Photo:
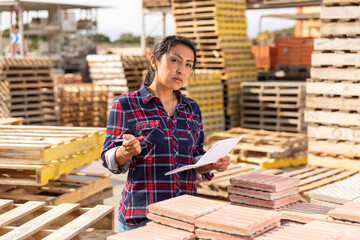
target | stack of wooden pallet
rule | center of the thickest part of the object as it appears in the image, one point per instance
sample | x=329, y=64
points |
x=332, y=102
x=277, y=106
x=121, y=73
x=218, y=27
x=267, y=149
x=34, y=162
x=67, y=78
x=83, y=105
x=206, y=88
x=156, y=3
x=27, y=90
x=35, y=220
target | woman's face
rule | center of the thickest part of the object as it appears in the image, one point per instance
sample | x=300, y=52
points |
x=174, y=67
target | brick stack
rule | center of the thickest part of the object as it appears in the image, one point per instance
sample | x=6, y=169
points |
x=337, y=193
x=27, y=91
x=332, y=102
x=83, y=105
x=235, y=222
x=169, y=212
x=218, y=27
x=294, y=51
x=269, y=191
x=206, y=88
x=265, y=57
x=349, y=212
x=121, y=73
x=277, y=106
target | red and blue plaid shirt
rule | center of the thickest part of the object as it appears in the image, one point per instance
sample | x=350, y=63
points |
x=168, y=143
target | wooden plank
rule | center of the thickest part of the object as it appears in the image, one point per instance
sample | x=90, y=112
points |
x=332, y=118
x=80, y=224
x=340, y=2
x=335, y=59
x=334, y=133
x=340, y=29
x=343, y=12
x=298, y=171
x=345, y=89
x=338, y=103
x=17, y=213
x=308, y=174
x=336, y=73
x=333, y=44
x=334, y=149
x=319, y=176
x=5, y=203
x=331, y=162
x=35, y=225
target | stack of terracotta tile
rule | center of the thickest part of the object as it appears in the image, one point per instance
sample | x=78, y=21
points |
x=269, y=191
x=154, y=231
x=349, y=212
x=235, y=222
x=181, y=212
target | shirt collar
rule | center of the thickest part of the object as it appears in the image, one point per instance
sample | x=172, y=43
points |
x=147, y=96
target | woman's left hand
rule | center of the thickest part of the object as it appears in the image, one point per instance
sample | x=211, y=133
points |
x=222, y=164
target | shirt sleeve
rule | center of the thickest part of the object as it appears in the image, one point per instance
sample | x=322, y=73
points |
x=117, y=126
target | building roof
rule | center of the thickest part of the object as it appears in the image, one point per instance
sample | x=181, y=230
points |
x=38, y=6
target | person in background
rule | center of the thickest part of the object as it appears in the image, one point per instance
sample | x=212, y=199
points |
x=154, y=130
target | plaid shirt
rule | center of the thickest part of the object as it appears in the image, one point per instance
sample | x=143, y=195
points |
x=168, y=143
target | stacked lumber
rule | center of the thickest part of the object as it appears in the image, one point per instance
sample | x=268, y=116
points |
x=332, y=102
x=121, y=73
x=87, y=189
x=267, y=149
x=33, y=155
x=206, y=88
x=337, y=193
x=83, y=104
x=277, y=106
x=11, y=121
x=35, y=220
x=268, y=191
x=27, y=91
x=265, y=57
x=294, y=51
x=218, y=28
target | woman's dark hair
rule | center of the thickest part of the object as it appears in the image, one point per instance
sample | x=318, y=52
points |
x=164, y=46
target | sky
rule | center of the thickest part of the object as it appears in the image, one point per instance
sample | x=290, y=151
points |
x=124, y=16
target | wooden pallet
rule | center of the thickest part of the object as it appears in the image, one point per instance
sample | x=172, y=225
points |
x=35, y=220
x=266, y=148
x=310, y=178
x=11, y=121
x=76, y=187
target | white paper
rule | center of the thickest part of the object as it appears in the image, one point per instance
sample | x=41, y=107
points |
x=218, y=150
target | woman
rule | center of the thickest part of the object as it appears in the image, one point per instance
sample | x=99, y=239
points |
x=154, y=130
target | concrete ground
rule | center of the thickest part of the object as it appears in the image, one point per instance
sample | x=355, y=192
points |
x=117, y=182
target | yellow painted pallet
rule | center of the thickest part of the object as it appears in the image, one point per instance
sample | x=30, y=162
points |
x=76, y=187
x=34, y=220
x=44, y=145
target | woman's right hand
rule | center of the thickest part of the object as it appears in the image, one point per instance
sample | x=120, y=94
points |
x=130, y=146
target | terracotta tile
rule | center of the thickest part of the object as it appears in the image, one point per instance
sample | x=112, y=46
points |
x=261, y=194
x=213, y=235
x=349, y=211
x=351, y=232
x=264, y=182
x=305, y=212
x=171, y=222
x=154, y=231
x=288, y=232
x=322, y=203
x=185, y=208
x=264, y=203
x=238, y=220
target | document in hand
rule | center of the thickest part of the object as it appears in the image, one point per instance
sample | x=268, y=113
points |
x=219, y=150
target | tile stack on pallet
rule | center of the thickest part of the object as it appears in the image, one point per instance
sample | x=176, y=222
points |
x=27, y=91
x=218, y=27
x=277, y=106
x=35, y=220
x=83, y=104
x=268, y=191
x=294, y=51
x=337, y=193
x=332, y=102
x=206, y=88
x=121, y=73
x=268, y=149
